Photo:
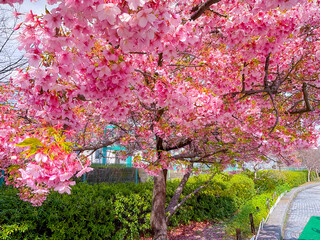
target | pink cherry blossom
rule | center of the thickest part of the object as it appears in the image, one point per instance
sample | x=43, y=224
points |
x=172, y=81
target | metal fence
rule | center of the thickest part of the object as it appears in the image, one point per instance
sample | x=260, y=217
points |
x=112, y=173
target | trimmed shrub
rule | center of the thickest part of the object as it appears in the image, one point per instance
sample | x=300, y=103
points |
x=294, y=178
x=122, y=211
x=266, y=184
x=107, y=211
x=101, y=211
x=240, y=188
x=212, y=202
x=257, y=206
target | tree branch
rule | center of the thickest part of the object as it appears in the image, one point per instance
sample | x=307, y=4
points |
x=308, y=107
x=96, y=146
x=306, y=97
x=181, y=144
x=266, y=71
x=177, y=194
x=294, y=65
x=219, y=14
x=183, y=156
x=177, y=206
x=200, y=9
x=276, y=110
x=160, y=60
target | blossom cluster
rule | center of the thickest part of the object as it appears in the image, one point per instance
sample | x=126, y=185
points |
x=233, y=81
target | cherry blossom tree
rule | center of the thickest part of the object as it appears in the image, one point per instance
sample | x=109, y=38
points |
x=310, y=158
x=183, y=82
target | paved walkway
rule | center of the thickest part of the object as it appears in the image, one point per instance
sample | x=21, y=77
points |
x=274, y=228
x=304, y=205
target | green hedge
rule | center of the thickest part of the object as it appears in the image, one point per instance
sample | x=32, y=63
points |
x=100, y=211
x=104, y=211
x=212, y=202
x=269, y=180
x=122, y=211
x=266, y=184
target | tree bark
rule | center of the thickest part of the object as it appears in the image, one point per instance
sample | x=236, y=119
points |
x=158, y=209
x=175, y=199
x=158, y=216
x=174, y=208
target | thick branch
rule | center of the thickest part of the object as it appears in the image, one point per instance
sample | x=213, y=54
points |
x=181, y=144
x=246, y=93
x=175, y=199
x=160, y=59
x=314, y=86
x=159, y=114
x=146, y=107
x=277, y=112
x=183, y=156
x=177, y=206
x=96, y=146
x=306, y=97
x=243, y=81
x=308, y=107
x=25, y=117
x=266, y=71
x=202, y=8
x=84, y=132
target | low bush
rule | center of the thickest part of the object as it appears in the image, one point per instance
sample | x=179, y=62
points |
x=122, y=211
x=294, y=178
x=240, y=188
x=101, y=211
x=257, y=206
x=266, y=184
x=106, y=211
x=212, y=202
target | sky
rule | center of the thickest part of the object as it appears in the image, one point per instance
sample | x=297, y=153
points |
x=11, y=53
x=36, y=7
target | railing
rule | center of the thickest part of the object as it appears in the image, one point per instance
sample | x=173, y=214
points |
x=265, y=220
x=112, y=173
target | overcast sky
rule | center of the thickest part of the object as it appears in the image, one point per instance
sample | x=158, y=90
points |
x=10, y=52
x=36, y=7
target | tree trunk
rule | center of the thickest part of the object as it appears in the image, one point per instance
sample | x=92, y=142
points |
x=158, y=216
x=314, y=176
x=309, y=172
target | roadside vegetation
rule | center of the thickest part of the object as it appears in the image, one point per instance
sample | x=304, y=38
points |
x=122, y=211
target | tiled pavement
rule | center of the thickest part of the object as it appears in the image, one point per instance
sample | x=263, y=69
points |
x=303, y=206
x=298, y=215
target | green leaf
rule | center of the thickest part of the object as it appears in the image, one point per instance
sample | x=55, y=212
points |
x=30, y=142
x=32, y=151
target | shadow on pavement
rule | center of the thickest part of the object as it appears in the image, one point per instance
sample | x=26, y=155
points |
x=270, y=232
